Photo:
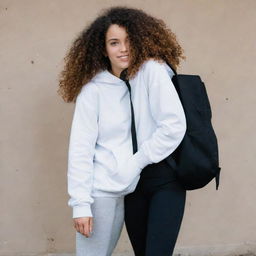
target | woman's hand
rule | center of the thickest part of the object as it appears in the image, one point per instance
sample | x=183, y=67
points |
x=84, y=225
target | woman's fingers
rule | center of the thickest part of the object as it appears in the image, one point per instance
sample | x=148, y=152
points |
x=82, y=229
x=91, y=225
x=82, y=225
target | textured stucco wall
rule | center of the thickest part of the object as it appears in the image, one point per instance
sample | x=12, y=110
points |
x=219, y=42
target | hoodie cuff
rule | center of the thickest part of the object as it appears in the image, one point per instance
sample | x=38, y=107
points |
x=141, y=159
x=82, y=211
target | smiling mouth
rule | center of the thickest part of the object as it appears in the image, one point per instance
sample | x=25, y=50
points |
x=123, y=57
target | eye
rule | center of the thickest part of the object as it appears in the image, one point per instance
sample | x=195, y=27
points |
x=113, y=43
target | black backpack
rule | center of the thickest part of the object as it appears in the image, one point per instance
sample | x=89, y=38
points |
x=196, y=159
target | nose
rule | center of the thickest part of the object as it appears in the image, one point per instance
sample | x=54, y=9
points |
x=123, y=47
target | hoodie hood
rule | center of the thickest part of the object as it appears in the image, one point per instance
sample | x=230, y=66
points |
x=105, y=77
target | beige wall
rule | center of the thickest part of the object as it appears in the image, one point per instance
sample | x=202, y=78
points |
x=219, y=41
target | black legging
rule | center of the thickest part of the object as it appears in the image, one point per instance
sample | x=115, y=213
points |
x=154, y=212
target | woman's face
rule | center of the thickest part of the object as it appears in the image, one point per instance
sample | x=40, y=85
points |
x=117, y=48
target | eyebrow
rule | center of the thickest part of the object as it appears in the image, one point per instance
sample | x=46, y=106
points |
x=112, y=39
x=115, y=39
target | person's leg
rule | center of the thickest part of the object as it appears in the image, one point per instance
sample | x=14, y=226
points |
x=165, y=216
x=117, y=225
x=100, y=242
x=136, y=215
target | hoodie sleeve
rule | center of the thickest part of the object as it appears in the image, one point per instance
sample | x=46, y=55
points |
x=168, y=113
x=83, y=136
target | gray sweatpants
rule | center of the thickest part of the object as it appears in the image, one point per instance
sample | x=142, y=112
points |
x=108, y=220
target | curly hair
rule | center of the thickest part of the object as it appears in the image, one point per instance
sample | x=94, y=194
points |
x=149, y=38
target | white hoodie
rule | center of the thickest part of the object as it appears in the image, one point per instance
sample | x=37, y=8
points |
x=101, y=162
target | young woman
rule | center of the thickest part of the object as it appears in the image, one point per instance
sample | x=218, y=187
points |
x=102, y=164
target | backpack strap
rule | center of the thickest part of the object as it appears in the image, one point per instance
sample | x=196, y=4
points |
x=174, y=71
x=217, y=179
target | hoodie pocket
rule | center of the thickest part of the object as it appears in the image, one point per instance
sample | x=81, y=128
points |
x=106, y=160
x=121, y=156
x=127, y=168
